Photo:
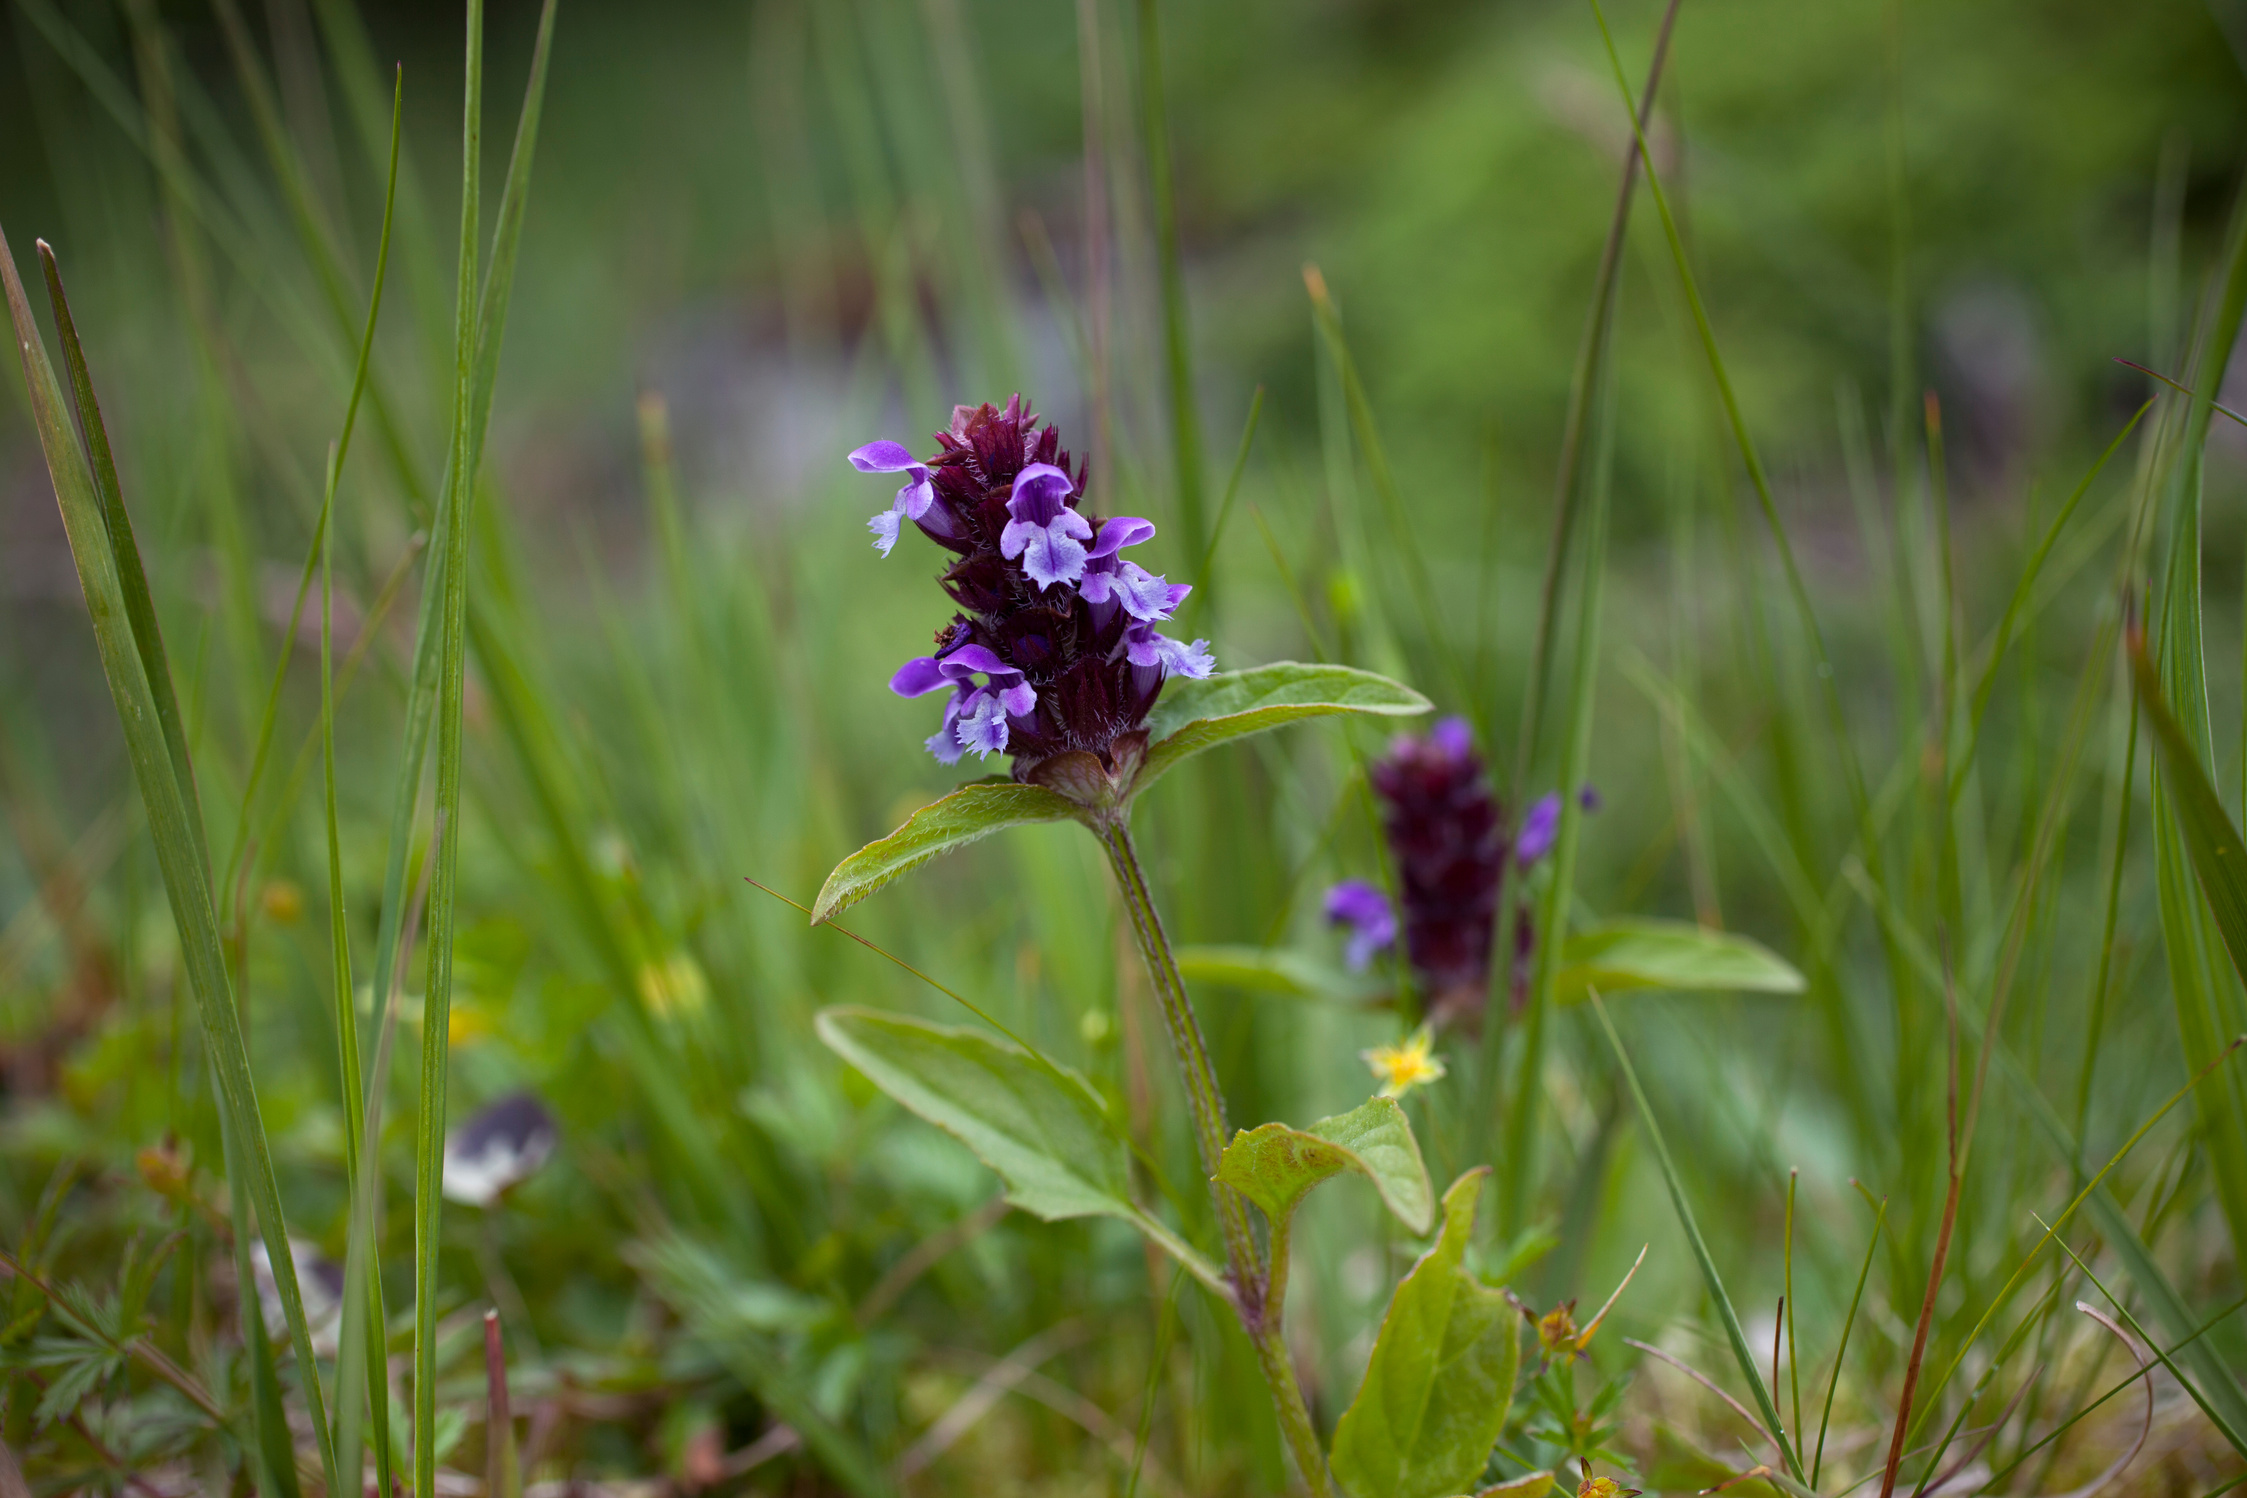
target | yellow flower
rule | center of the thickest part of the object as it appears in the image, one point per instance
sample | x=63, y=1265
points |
x=674, y=987
x=1404, y=1067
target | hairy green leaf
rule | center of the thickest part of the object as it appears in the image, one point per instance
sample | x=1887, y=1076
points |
x=1442, y=1376
x=1275, y=1166
x=1040, y=1126
x=975, y=810
x=1197, y=715
x=1676, y=955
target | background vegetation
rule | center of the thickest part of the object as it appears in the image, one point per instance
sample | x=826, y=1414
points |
x=759, y=235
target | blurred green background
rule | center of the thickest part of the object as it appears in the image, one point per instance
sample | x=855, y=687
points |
x=782, y=229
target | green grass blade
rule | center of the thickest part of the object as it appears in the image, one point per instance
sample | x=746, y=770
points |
x=132, y=578
x=178, y=851
x=1178, y=351
x=451, y=643
x=1848, y=1324
x=365, y=1310
x=1715, y=1282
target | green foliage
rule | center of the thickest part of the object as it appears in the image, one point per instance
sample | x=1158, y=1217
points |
x=1441, y=1380
x=1615, y=955
x=1275, y=1166
x=1194, y=716
x=975, y=810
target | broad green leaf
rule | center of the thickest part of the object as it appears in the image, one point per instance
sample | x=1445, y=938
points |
x=1675, y=955
x=1442, y=1376
x=1040, y=1126
x=1197, y=715
x=974, y=810
x=1275, y=1166
x=1277, y=970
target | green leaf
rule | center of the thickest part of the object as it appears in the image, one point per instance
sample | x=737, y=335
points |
x=1442, y=1376
x=1197, y=715
x=974, y=810
x=1676, y=955
x=1275, y=1166
x=1040, y=1126
x=1529, y=1485
x=1277, y=970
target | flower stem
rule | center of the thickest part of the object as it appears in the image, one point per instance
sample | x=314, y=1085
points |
x=1255, y=1292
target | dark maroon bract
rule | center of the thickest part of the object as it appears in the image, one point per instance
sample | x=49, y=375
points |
x=1054, y=647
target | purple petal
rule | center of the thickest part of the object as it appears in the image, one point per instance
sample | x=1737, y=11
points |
x=920, y=676
x=1365, y=910
x=1143, y=646
x=1019, y=700
x=1453, y=738
x=1119, y=531
x=983, y=726
x=884, y=527
x=1144, y=595
x=945, y=742
x=1589, y=798
x=969, y=659
x=1051, y=557
x=914, y=499
x=1539, y=829
x=1041, y=492
x=884, y=457
x=1193, y=661
x=1099, y=583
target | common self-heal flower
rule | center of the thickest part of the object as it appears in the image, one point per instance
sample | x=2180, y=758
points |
x=912, y=501
x=1053, y=648
x=976, y=717
x=1448, y=838
x=1365, y=910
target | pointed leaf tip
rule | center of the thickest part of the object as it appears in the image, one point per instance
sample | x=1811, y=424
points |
x=973, y=811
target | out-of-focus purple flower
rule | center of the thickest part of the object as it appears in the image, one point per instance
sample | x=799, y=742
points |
x=1365, y=910
x=1044, y=532
x=1448, y=838
x=976, y=717
x=1057, y=625
x=912, y=501
x=319, y=1284
x=501, y=1146
x=1538, y=830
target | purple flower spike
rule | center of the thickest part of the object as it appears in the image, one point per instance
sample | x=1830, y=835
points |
x=1044, y=532
x=912, y=501
x=1365, y=910
x=1027, y=668
x=1539, y=830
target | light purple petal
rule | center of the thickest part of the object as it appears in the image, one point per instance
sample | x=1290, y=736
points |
x=1453, y=738
x=1365, y=910
x=969, y=659
x=1019, y=700
x=884, y=527
x=919, y=676
x=1143, y=646
x=1041, y=492
x=945, y=742
x=1144, y=595
x=1539, y=829
x=884, y=457
x=914, y=499
x=983, y=726
x=1051, y=558
x=1119, y=531
x=1099, y=583
x=1192, y=661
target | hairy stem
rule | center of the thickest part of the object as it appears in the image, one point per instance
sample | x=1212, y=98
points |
x=1256, y=1294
